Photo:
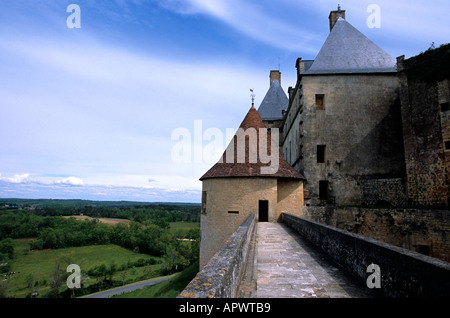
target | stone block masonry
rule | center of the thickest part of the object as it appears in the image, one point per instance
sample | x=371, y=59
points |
x=354, y=135
x=403, y=273
x=423, y=231
x=221, y=276
x=426, y=132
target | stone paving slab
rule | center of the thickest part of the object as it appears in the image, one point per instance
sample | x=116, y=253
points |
x=287, y=266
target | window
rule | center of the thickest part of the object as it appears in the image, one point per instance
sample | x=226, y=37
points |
x=447, y=145
x=203, y=202
x=321, y=153
x=323, y=190
x=320, y=101
x=445, y=107
x=423, y=249
x=290, y=152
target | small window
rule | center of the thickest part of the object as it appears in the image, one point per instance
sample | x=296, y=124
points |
x=445, y=107
x=447, y=145
x=323, y=190
x=320, y=101
x=204, y=202
x=321, y=153
x=423, y=249
x=233, y=212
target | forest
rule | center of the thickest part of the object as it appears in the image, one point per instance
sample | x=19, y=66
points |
x=49, y=226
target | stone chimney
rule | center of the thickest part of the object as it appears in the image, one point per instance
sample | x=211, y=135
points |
x=334, y=16
x=275, y=75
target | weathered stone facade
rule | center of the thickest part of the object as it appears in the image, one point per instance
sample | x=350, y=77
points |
x=403, y=274
x=426, y=131
x=422, y=231
x=358, y=128
x=342, y=129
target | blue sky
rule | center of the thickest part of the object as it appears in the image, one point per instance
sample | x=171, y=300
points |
x=89, y=112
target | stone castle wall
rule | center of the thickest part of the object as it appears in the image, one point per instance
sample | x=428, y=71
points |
x=426, y=128
x=359, y=124
x=423, y=231
x=403, y=274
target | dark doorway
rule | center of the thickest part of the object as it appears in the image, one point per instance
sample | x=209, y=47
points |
x=263, y=211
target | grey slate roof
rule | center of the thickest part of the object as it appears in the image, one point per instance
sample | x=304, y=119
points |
x=273, y=103
x=347, y=50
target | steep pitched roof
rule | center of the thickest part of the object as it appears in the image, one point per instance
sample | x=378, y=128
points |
x=248, y=168
x=347, y=50
x=273, y=103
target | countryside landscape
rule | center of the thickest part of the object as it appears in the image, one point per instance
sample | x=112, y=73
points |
x=113, y=243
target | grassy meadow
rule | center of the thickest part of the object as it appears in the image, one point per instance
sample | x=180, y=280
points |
x=113, y=243
x=39, y=264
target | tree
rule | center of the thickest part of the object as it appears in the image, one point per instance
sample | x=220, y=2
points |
x=7, y=247
x=147, y=271
x=31, y=282
x=123, y=275
x=56, y=278
x=173, y=259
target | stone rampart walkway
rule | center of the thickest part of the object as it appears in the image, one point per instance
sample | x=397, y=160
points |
x=282, y=264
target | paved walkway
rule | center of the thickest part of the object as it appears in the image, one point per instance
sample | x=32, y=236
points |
x=282, y=264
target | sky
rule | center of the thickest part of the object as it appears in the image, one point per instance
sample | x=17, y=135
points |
x=98, y=110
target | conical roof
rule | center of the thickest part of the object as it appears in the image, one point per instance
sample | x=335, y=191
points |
x=347, y=50
x=273, y=103
x=232, y=164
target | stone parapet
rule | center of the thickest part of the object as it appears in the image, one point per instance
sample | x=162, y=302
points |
x=221, y=276
x=403, y=273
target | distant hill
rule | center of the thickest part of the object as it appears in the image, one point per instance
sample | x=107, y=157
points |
x=83, y=203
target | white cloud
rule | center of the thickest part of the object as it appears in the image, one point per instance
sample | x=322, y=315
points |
x=17, y=178
x=71, y=181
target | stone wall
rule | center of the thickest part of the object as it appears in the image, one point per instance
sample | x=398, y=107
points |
x=426, y=129
x=221, y=276
x=403, y=273
x=227, y=202
x=289, y=197
x=424, y=231
x=237, y=195
x=359, y=123
x=390, y=192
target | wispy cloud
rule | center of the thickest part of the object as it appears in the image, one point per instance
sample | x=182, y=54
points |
x=60, y=190
x=256, y=20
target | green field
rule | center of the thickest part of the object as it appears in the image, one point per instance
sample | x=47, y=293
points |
x=168, y=289
x=40, y=263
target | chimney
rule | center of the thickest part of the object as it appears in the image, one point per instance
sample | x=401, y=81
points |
x=334, y=16
x=275, y=75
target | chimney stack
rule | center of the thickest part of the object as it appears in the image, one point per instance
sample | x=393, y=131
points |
x=334, y=16
x=275, y=75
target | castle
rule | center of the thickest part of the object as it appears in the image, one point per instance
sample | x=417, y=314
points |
x=359, y=128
